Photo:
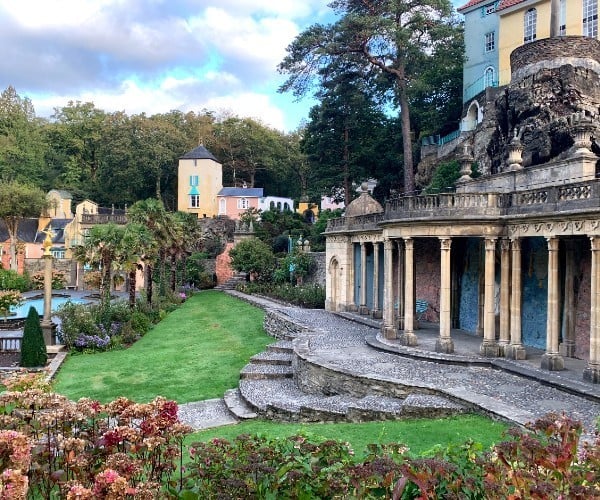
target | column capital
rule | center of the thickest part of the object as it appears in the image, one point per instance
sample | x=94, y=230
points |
x=595, y=241
x=552, y=243
x=445, y=243
x=388, y=244
x=504, y=244
x=515, y=243
x=409, y=243
x=490, y=243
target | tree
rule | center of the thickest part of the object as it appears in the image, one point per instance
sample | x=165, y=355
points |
x=386, y=41
x=137, y=242
x=33, y=347
x=19, y=201
x=253, y=257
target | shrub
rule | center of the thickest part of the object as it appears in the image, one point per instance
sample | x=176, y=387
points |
x=11, y=280
x=308, y=296
x=33, y=347
x=58, y=281
x=76, y=320
x=8, y=299
x=254, y=257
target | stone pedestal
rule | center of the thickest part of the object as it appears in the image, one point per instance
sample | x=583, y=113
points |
x=592, y=374
x=444, y=345
x=363, y=310
x=408, y=339
x=489, y=349
x=389, y=333
x=48, y=330
x=552, y=362
x=514, y=351
x=567, y=349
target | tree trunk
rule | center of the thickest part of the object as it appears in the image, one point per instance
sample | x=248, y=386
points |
x=409, y=175
x=173, y=272
x=132, y=284
x=149, y=288
x=347, y=195
x=12, y=226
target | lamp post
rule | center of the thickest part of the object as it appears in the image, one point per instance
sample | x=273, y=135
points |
x=46, y=323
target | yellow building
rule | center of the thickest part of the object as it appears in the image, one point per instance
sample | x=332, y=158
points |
x=200, y=178
x=523, y=21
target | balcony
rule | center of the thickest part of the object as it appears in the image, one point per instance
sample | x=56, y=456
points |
x=93, y=219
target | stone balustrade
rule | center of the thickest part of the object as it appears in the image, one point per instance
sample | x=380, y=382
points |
x=103, y=218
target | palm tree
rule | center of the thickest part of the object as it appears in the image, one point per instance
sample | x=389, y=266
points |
x=137, y=242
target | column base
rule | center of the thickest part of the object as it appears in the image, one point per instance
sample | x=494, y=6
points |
x=567, y=349
x=444, y=345
x=409, y=339
x=389, y=332
x=553, y=362
x=400, y=323
x=502, y=346
x=363, y=310
x=489, y=349
x=515, y=351
x=376, y=314
x=592, y=374
x=48, y=329
x=351, y=308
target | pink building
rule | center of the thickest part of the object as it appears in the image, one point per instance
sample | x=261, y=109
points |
x=233, y=201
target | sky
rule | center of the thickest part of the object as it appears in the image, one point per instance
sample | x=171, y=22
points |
x=153, y=56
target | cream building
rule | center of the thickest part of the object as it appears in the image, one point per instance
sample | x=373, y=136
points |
x=199, y=181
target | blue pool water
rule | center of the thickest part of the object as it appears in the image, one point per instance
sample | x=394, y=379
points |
x=22, y=310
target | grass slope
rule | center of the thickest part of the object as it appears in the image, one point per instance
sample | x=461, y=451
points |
x=195, y=353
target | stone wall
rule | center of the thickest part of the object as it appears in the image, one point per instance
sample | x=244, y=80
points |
x=319, y=273
x=65, y=266
x=280, y=326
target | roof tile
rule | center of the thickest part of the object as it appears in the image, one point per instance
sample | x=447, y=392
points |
x=504, y=4
x=471, y=3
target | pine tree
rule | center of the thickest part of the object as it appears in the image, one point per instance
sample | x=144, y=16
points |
x=33, y=347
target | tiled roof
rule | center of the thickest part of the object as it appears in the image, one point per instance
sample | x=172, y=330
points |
x=471, y=3
x=505, y=4
x=199, y=153
x=247, y=192
x=26, y=232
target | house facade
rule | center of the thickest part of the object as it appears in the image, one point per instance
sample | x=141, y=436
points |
x=233, y=201
x=512, y=257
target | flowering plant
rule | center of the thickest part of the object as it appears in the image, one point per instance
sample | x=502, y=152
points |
x=8, y=299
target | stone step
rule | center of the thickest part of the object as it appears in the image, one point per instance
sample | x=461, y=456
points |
x=281, y=346
x=272, y=358
x=283, y=400
x=238, y=406
x=263, y=371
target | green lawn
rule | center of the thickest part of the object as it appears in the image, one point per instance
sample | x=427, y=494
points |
x=420, y=435
x=195, y=353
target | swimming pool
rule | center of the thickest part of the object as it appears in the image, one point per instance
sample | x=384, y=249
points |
x=22, y=310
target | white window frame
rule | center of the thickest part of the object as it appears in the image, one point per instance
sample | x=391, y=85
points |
x=194, y=180
x=194, y=201
x=222, y=206
x=58, y=254
x=490, y=8
x=562, y=18
x=590, y=18
x=490, y=41
x=489, y=77
x=530, y=26
x=243, y=203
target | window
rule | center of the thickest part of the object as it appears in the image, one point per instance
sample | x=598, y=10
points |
x=590, y=18
x=530, y=26
x=562, y=18
x=193, y=180
x=58, y=254
x=488, y=9
x=222, y=206
x=489, y=77
x=194, y=200
x=243, y=203
x=490, y=41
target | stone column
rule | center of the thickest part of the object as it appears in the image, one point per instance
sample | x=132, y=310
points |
x=444, y=342
x=504, y=295
x=388, y=330
x=515, y=350
x=567, y=347
x=362, y=309
x=409, y=337
x=376, y=312
x=480, y=295
x=551, y=359
x=489, y=346
x=400, y=285
x=46, y=323
x=591, y=373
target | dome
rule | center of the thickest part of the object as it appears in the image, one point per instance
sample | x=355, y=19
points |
x=363, y=205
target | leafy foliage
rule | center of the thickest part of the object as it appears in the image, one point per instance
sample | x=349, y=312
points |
x=254, y=257
x=308, y=296
x=33, y=347
x=12, y=280
x=8, y=299
x=444, y=178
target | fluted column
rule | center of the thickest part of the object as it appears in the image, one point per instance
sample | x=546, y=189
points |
x=400, y=285
x=444, y=342
x=388, y=330
x=592, y=371
x=362, y=309
x=515, y=350
x=505, y=265
x=551, y=359
x=408, y=337
x=567, y=347
x=376, y=312
x=489, y=346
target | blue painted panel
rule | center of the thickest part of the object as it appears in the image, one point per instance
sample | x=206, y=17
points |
x=535, y=291
x=381, y=279
x=469, y=287
x=370, y=271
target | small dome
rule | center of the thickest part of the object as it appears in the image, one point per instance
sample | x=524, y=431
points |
x=363, y=205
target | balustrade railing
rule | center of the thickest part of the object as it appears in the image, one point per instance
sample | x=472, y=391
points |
x=103, y=218
x=10, y=344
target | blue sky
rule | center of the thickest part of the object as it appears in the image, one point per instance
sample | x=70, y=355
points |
x=156, y=55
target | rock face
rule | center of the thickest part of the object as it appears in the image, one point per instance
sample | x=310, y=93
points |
x=555, y=82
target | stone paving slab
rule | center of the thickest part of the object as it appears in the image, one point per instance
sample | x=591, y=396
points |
x=206, y=414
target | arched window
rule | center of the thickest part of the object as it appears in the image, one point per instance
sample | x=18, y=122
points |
x=222, y=206
x=530, y=26
x=489, y=77
x=590, y=18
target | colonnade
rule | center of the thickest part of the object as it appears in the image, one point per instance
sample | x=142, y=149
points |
x=398, y=307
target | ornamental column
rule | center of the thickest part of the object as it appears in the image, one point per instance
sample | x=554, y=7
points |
x=388, y=330
x=515, y=350
x=376, y=313
x=362, y=309
x=567, y=347
x=400, y=286
x=489, y=347
x=592, y=371
x=551, y=359
x=444, y=342
x=504, y=295
x=408, y=337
